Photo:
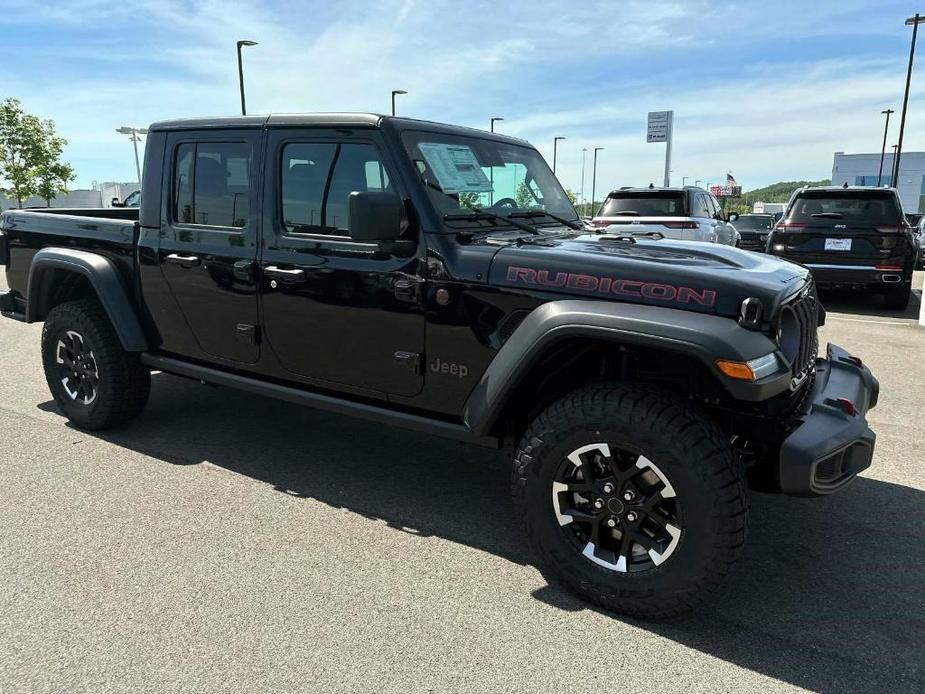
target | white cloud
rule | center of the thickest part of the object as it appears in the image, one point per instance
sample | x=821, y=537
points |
x=588, y=70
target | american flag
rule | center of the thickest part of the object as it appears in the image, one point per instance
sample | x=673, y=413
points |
x=730, y=181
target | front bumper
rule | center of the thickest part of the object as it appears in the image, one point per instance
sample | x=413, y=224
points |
x=831, y=445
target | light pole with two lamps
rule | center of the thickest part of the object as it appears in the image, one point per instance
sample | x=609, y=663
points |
x=133, y=134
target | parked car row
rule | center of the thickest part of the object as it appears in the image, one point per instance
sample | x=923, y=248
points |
x=849, y=236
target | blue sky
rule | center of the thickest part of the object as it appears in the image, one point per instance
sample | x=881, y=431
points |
x=767, y=90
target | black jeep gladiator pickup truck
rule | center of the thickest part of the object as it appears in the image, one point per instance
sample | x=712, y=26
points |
x=437, y=278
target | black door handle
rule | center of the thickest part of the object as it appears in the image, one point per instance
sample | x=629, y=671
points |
x=278, y=273
x=183, y=260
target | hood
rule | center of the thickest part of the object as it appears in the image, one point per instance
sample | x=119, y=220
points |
x=703, y=277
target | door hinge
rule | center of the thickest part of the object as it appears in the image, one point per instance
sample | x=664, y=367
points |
x=248, y=333
x=408, y=289
x=413, y=361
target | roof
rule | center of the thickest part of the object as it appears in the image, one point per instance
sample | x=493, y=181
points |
x=842, y=188
x=333, y=120
x=660, y=189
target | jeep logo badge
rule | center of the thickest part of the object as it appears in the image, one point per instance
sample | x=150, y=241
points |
x=449, y=368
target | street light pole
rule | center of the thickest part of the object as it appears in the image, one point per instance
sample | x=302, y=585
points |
x=684, y=180
x=241, y=43
x=893, y=177
x=883, y=148
x=594, y=178
x=394, y=93
x=914, y=21
x=492, y=123
x=133, y=134
x=584, y=153
x=555, y=144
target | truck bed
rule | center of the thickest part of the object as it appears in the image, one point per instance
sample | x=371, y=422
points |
x=109, y=231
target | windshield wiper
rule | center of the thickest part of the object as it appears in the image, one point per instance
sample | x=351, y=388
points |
x=479, y=214
x=828, y=215
x=626, y=213
x=529, y=214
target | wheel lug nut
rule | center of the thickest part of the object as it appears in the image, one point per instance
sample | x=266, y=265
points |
x=631, y=516
x=611, y=523
x=628, y=496
x=598, y=503
x=608, y=488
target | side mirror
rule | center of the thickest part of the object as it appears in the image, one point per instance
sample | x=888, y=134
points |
x=115, y=202
x=376, y=216
x=733, y=216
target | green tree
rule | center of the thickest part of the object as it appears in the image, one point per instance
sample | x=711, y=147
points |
x=469, y=200
x=51, y=174
x=523, y=196
x=571, y=195
x=20, y=138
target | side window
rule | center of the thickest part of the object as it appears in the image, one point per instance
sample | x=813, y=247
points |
x=305, y=170
x=701, y=208
x=317, y=179
x=717, y=208
x=212, y=184
x=183, y=184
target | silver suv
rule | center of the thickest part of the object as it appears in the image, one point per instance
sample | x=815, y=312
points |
x=686, y=214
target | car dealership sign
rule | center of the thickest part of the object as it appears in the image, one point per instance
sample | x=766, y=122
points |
x=726, y=191
x=659, y=126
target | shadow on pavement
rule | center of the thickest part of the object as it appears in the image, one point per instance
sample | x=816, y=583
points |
x=828, y=595
x=866, y=303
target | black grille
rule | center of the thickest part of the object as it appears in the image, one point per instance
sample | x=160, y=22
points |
x=805, y=308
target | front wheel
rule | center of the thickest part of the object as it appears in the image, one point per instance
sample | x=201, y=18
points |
x=632, y=498
x=95, y=382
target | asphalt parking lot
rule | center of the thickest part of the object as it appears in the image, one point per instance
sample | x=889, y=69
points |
x=227, y=543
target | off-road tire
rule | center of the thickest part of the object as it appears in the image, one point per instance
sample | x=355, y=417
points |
x=123, y=382
x=694, y=455
x=897, y=296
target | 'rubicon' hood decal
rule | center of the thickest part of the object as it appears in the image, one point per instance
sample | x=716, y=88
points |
x=655, y=291
x=702, y=277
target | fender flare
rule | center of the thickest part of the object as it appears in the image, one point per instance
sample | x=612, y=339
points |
x=106, y=282
x=703, y=337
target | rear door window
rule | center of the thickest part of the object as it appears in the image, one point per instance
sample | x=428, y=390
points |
x=212, y=184
x=849, y=207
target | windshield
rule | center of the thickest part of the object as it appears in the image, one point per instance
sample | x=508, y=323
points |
x=747, y=222
x=643, y=204
x=850, y=206
x=463, y=174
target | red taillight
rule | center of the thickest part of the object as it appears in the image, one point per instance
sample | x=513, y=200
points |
x=888, y=230
x=781, y=226
x=600, y=223
x=889, y=267
x=680, y=225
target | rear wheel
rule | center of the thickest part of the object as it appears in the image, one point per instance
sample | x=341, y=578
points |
x=95, y=382
x=632, y=498
x=898, y=296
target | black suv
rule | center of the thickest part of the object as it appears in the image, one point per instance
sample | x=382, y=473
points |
x=753, y=229
x=436, y=277
x=851, y=237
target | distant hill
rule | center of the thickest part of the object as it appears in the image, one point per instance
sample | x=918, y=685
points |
x=780, y=192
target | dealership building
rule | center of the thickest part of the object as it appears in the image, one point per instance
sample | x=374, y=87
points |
x=861, y=170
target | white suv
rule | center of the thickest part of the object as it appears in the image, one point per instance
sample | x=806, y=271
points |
x=686, y=214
